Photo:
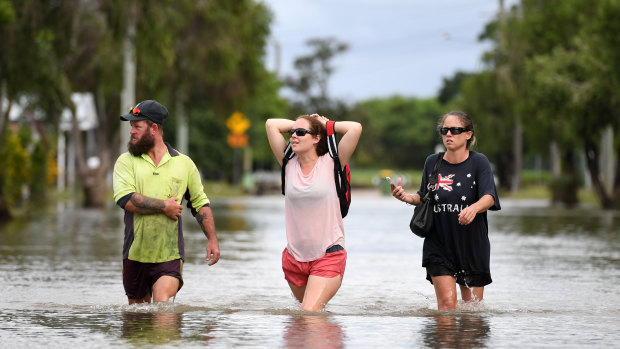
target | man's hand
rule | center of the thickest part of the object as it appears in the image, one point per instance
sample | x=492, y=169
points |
x=205, y=220
x=213, y=251
x=141, y=204
x=172, y=208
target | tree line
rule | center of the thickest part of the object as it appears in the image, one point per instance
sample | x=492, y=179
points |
x=547, y=89
x=550, y=88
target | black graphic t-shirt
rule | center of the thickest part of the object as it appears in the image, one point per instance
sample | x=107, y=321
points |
x=463, y=248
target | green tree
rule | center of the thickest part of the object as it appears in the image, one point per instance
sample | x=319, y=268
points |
x=398, y=131
x=205, y=55
x=26, y=70
x=538, y=74
x=494, y=124
x=312, y=80
x=17, y=175
x=208, y=64
x=451, y=87
x=577, y=81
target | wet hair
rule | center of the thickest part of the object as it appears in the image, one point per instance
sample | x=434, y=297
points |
x=317, y=129
x=465, y=120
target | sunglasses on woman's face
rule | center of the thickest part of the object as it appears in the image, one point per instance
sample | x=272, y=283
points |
x=300, y=132
x=453, y=130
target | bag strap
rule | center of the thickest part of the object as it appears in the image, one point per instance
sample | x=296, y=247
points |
x=434, y=175
x=435, y=172
x=288, y=154
x=332, y=146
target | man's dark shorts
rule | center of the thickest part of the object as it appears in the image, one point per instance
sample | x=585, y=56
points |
x=139, y=278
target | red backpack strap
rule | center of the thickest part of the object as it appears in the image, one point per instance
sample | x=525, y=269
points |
x=332, y=144
x=330, y=127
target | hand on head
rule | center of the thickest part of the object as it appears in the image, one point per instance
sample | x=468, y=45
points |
x=323, y=119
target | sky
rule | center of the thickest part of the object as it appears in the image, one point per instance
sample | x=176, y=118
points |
x=396, y=47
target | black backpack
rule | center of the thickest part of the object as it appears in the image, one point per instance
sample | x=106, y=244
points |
x=342, y=177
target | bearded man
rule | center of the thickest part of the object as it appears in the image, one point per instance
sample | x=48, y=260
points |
x=150, y=182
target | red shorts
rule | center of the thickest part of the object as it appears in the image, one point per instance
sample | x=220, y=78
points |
x=328, y=266
x=139, y=278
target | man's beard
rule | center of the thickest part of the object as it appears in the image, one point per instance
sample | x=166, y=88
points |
x=143, y=145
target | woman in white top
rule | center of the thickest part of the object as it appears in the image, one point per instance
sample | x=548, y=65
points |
x=314, y=258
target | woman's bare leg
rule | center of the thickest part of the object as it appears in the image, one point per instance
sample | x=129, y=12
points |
x=445, y=291
x=298, y=291
x=317, y=292
x=472, y=294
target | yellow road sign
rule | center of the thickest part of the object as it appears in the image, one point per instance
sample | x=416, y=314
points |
x=237, y=123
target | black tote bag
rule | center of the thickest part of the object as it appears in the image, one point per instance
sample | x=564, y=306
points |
x=422, y=221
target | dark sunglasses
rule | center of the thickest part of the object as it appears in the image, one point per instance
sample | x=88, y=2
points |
x=300, y=132
x=453, y=130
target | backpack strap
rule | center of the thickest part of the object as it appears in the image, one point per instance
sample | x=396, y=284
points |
x=341, y=176
x=288, y=154
x=332, y=146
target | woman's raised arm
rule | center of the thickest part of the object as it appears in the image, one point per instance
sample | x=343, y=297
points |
x=351, y=132
x=275, y=129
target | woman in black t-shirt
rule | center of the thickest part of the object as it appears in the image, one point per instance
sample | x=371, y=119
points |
x=457, y=251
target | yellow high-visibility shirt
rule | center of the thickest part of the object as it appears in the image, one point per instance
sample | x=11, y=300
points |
x=156, y=238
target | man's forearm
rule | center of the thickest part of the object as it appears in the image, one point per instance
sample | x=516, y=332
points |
x=205, y=220
x=139, y=203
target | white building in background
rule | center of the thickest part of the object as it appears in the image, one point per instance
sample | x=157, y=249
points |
x=22, y=111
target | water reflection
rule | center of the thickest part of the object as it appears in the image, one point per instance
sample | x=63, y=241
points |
x=61, y=285
x=151, y=327
x=456, y=331
x=535, y=221
x=313, y=331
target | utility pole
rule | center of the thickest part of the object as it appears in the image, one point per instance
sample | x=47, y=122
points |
x=276, y=57
x=511, y=88
x=128, y=94
x=182, y=124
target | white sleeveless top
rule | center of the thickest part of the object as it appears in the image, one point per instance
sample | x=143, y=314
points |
x=312, y=210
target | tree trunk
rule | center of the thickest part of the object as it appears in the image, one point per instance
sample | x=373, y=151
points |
x=4, y=114
x=518, y=155
x=504, y=170
x=564, y=188
x=556, y=162
x=5, y=210
x=94, y=180
x=616, y=190
x=592, y=161
x=94, y=187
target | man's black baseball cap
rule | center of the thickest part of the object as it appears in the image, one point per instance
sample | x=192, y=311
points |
x=147, y=110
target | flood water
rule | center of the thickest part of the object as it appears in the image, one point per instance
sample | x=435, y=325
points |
x=556, y=283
